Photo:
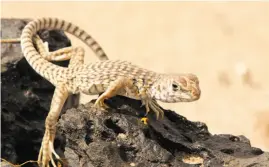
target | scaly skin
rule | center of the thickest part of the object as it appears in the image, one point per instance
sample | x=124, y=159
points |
x=107, y=77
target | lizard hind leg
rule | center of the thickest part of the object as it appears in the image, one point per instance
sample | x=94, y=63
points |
x=74, y=54
x=47, y=148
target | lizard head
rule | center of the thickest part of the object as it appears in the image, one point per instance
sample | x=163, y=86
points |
x=176, y=88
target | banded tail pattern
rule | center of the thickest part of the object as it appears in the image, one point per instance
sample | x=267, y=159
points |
x=42, y=66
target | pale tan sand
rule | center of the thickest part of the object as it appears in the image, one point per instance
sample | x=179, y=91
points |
x=225, y=44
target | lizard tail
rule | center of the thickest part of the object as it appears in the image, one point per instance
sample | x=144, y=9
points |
x=45, y=68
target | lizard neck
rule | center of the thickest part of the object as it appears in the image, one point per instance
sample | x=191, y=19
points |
x=157, y=87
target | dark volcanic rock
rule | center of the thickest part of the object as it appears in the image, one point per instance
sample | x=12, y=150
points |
x=115, y=138
x=25, y=96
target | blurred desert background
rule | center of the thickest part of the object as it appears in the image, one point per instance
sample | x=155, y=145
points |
x=225, y=44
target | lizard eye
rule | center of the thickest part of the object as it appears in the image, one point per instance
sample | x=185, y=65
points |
x=175, y=87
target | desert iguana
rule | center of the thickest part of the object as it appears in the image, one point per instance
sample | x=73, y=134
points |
x=109, y=77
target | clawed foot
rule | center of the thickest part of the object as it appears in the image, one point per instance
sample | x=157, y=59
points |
x=46, y=152
x=100, y=104
x=152, y=104
x=156, y=108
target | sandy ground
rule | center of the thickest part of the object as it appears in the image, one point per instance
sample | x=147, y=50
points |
x=225, y=44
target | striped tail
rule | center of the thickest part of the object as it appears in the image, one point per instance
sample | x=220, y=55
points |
x=45, y=68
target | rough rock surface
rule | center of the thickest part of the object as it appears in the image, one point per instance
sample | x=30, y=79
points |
x=116, y=138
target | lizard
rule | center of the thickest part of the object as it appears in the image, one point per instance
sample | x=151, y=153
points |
x=108, y=78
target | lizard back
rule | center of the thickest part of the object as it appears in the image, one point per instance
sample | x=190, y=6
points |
x=95, y=77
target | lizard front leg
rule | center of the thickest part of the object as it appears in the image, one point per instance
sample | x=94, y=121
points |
x=156, y=108
x=124, y=84
x=47, y=148
x=150, y=103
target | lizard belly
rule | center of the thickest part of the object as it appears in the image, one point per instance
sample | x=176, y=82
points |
x=94, y=89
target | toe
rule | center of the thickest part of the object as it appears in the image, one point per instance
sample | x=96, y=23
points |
x=157, y=115
x=158, y=111
x=104, y=105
